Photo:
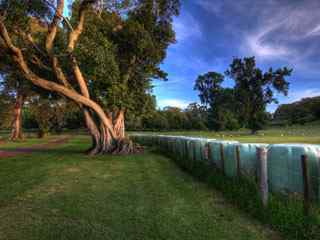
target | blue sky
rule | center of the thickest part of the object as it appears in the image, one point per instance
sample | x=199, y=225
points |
x=211, y=32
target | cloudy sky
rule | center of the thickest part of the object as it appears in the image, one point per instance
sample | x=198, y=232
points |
x=211, y=32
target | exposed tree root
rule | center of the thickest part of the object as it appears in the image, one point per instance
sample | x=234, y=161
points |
x=120, y=147
x=126, y=146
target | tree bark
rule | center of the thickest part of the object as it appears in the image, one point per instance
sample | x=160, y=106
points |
x=16, y=133
x=118, y=143
x=94, y=132
x=119, y=127
x=122, y=144
x=110, y=137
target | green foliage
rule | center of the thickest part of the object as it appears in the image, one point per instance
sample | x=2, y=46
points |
x=175, y=117
x=301, y=112
x=157, y=121
x=197, y=117
x=209, y=86
x=254, y=89
x=23, y=17
x=6, y=108
x=61, y=116
x=49, y=114
x=28, y=119
x=245, y=104
x=18, y=12
x=171, y=118
x=126, y=53
x=119, y=51
x=219, y=101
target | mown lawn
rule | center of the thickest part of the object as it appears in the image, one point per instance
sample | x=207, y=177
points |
x=64, y=194
x=309, y=134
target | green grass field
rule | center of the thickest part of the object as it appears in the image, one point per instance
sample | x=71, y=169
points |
x=296, y=134
x=63, y=194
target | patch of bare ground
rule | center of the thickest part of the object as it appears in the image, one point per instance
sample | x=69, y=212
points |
x=34, y=148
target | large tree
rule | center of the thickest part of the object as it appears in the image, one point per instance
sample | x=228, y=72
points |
x=218, y=100
x=103, y=58
x=254, y=90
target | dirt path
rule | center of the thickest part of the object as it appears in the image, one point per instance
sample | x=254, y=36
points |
x=33, y=148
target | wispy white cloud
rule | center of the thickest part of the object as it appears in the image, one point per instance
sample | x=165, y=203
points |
x=272, y=29
x=210, y=6
x=263, y=41
x=261, y=49
x=186, y=27
x=288, y=31
x=300, y=94
x=180, y=103
x=314, y=32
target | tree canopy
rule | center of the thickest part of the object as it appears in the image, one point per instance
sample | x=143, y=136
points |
x=254, y=89
x=245, y=104
x=103, y=57
x=219, y=101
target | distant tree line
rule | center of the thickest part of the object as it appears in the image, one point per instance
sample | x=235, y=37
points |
x=50, y=115
x=194, y=117
x=300, y=112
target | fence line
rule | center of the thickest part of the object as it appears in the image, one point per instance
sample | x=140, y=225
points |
x=280, y=169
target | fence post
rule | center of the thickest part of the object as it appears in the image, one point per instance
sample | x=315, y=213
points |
x=306, y=185
x=238, y=161
x=263, y=168
x=209, y=154
x=205, y=152
x=222, y=158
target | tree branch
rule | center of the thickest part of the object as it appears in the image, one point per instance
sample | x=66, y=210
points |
x=37, y=61
x=59, y=73
x=31, y=41
x=51, y=86
x=55, y=63
x=52, y=32
x=75, y=34
x=73, y=39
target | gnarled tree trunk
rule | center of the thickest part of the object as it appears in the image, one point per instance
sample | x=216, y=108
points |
x=94, y=132
x=104, y=142
x=122, y=144
x=109, y=137
x=118, y=123
x=16, y=133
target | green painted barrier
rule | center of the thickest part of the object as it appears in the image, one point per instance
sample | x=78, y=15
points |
x=284, y=160
x=285, y=170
